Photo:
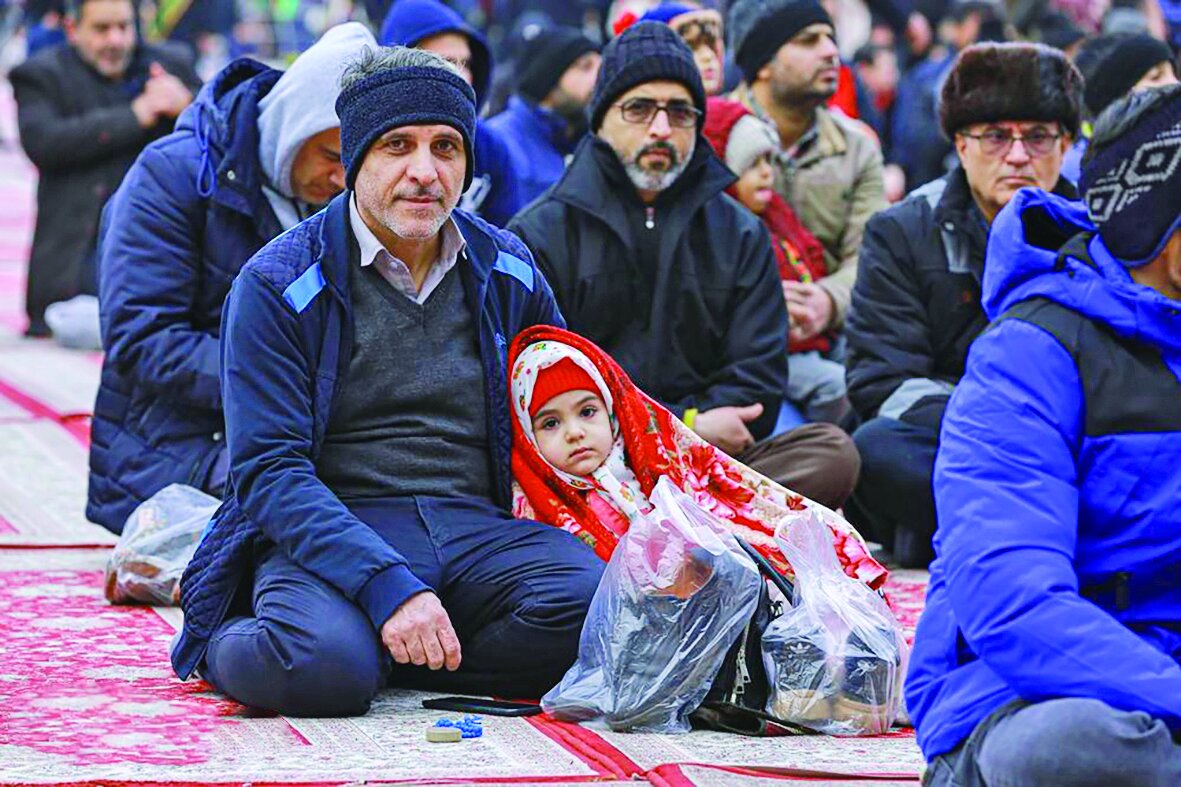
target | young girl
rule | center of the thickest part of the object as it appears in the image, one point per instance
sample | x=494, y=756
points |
x=816, y=384
x=589, y=447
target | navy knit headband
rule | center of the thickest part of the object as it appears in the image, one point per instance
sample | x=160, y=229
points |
x=1132, y=187
x=410, y=96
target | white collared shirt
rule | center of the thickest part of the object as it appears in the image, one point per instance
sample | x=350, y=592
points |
x=396, y=272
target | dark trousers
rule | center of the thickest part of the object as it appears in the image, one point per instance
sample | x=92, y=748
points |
x=894, y=503
x=817, y=461
x=516, y=592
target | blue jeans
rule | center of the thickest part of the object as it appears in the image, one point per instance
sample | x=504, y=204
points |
x=516, y=592
x=1071, y=742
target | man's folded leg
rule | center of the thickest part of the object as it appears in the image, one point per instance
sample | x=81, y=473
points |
x=516, y=591
x=894, y=503
x=818, y=461
x=308, y=650
x=1079, y=742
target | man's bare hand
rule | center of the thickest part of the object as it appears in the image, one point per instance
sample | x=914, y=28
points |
x=420, y=632
x=725, y=427
x=163, y=96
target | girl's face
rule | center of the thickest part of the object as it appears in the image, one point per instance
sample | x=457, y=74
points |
x=573, y=432
x=754, y=187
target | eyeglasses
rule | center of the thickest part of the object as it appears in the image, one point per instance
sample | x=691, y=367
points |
x=996, y=141
x=643, y=110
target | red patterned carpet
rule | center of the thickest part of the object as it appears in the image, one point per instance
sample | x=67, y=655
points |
x=87, y=696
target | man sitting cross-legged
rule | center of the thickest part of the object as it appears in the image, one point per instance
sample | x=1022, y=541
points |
x=1049, y=652
x=366, y=531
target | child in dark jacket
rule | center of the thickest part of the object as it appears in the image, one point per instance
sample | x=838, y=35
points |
x=816, y=383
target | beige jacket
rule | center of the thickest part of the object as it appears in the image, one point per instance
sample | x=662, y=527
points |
x=833, y=181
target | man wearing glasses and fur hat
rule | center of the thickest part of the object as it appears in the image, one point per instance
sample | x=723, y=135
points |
x=651, y=260
x=1011, y=111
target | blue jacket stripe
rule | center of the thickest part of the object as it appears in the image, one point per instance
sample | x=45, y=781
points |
x=303, y=290
x=515, y=267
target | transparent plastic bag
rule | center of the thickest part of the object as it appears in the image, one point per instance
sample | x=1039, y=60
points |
x=836, y=659
x=75, y=322
x=676, y=594
x=157, y=543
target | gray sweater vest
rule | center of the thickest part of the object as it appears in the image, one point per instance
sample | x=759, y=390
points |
x=412, y=417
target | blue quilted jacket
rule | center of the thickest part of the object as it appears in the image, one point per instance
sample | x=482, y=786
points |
x=286, y=342
x=187, y=216
x=1058, y=490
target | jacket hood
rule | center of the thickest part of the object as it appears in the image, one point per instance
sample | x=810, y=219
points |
x=303, y=101
x=1044, y=246
x=410, y=21
x=224, y=120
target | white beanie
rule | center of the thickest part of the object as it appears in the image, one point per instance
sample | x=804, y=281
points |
x=303, y=102
x=749, y=139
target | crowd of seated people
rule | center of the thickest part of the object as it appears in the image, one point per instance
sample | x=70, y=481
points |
x=935, y=287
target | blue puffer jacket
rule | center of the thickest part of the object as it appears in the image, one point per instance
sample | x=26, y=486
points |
x=1058, y=489
x=287, y=333
x=534, y=147
x=188, y=214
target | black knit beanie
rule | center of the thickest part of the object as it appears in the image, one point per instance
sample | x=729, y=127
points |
x=1126, y=60
x=761, y=27
x=411, y=96
x=991, y=82
x=545, y=59
x=1131, y=182
x=645, y=52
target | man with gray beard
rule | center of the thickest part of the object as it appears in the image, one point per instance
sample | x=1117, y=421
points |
x=651, y=260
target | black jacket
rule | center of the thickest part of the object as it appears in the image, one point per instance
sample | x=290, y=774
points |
x=78, y=128
x=916, y=305
x=693, y=311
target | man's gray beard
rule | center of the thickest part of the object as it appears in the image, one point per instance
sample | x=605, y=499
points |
x=408, y=233
x=648, y=180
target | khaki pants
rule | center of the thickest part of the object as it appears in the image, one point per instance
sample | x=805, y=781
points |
x=818, y=461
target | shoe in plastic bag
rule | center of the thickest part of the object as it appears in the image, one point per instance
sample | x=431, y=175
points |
x=75, y=323
x=158, y=540
x=675, y=596
x=835, y=660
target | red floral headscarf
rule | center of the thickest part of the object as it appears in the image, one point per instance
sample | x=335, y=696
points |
x=657, y=444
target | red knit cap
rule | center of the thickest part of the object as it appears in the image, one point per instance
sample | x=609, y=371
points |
x=555, y=380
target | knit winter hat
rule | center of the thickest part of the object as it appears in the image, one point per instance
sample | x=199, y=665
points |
x=1113, y=64
x=991, y=82
x=563, y=376
x=665, y=12
x=1131, y=183
x=412, y=96
x=645, y=52
x=545, y=59
x=759, y=27
x=737, y=136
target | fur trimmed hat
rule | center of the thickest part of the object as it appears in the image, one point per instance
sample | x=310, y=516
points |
x=991, y=82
